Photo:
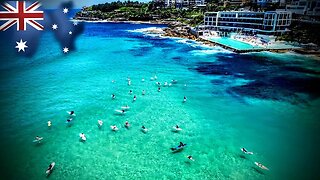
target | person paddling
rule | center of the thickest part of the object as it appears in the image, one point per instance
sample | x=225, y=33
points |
x=190, y=157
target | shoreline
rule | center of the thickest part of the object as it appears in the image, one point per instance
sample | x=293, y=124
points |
x=179, y=30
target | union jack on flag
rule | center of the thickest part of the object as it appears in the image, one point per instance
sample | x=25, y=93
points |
x=21, y=15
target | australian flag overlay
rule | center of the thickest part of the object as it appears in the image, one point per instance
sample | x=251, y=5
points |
x=23, y=22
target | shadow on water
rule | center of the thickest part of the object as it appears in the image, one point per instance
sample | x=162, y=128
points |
x=37, y=144
x=295, y=82
x=258, y=171
x=188, y=163
x=176, y=151
x=243, y=156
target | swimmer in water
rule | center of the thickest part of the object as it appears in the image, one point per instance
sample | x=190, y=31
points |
x=143, y=92
x=38, y=138
x=100, y=123
x=190, y=157
x=113, y=96
x=83, y=137
x=134, y=98
x=184, y=99
x=49, y=123
x=114, y=128
x=246, y=151
x=126, y=124
x=130, y=92
x=159, y=89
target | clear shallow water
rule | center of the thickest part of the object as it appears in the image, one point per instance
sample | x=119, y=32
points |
x=265, y=102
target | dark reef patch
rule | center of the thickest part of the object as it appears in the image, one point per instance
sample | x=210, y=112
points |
x=269, y=78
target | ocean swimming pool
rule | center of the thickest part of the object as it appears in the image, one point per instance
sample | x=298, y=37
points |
x=233, y=43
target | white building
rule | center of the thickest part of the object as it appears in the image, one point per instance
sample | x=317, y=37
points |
x=304, y=7
x=271, y=22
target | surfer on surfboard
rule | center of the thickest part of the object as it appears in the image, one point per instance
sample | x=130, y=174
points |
x=50, y=168
x=246, y=151
x=184, y=99
x=38, y=139
x=261, y=166
x=190, y=157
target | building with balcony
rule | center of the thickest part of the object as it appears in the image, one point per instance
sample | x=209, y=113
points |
x=271, y=22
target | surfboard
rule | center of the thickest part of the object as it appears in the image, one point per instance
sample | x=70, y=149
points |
x=69, y=121
x=175, y=129
x=37, y=140
x=261, y=166
x=178, y=148
x=246, y=152
x=125, y=107
x=69, y=112
x=100, y=122
x=191, y=159
x=145, y=130
x=49, y=170
x=83, y=137
x=119, y=111
x=114, y=128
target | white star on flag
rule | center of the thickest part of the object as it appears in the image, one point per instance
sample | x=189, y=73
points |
x=54, y=27
x=65, y=10
x=75, y=23
x=70, y=32
x=65, y=50
x=21, y=45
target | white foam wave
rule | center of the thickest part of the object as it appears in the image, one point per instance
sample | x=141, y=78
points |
x=148, y=30
x=212, y=50
x=193, y=43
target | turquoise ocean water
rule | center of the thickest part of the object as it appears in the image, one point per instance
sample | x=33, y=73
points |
x=268, y=103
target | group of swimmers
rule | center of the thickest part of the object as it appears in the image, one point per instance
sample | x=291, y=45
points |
x=114, y=127
x=244, y=150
